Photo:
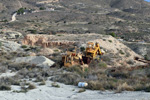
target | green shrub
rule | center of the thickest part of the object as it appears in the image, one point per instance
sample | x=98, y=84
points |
x=32, y=31
x=23, y=46
x=113, y=34
x=110, y=41
x=146, y=57
x=82, y=49
x=42, y=8
x=21, y=11
x=4, y=20
x=121, y=52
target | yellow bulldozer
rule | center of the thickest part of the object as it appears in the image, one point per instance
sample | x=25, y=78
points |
x=74, y=58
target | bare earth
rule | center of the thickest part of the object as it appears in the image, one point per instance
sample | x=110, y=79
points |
x=68, y=92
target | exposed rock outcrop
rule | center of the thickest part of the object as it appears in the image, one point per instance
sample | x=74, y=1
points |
x=9, y=45
x=40, y=61
x=44, y=41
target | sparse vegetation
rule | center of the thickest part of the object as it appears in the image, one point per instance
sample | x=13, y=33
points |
x=81, y=90
x=113, y=34
x=110, y=41
x=55, y=85
x=31, y=86
x=21, y=11
x=102, y=64
x=82, y=49
x=42, y=8
x=42, y=83
x=23, y=46
x=5, y=87
x=32, y=31
x=121, y=52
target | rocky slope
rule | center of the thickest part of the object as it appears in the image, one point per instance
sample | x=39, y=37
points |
x=118, y=53
x=81, y=16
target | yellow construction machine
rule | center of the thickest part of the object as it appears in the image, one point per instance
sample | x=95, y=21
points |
x=73, y=58
x=92, y=51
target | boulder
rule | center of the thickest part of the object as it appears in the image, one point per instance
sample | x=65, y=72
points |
x=40, y=61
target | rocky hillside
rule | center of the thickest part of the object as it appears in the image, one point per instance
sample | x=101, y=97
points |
x=123, y=17
x=117, y=54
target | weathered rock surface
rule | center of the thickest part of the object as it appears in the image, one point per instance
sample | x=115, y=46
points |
x=39, y=61
x=10, y=45
x=44, y=41
x=9, y=34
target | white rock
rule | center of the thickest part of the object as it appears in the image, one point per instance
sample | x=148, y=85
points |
x=40, y=61
x=10, y=45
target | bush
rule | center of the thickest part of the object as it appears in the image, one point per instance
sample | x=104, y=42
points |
x=81, y=90
x=67, y=78
x=23, y=46
x=121, y=52
x=55, y=85
x=31, y=86
x=146, y=57
x=32, y=31
x=82, y=49
x=42, y=83
x=113, y=34
x=42, y=8
x=5, y=20
x=21, y=11
x=18, y=66
x=76, y=69
x=123, y=87
x=5, y=87
x=110, y=41
x=95, y=85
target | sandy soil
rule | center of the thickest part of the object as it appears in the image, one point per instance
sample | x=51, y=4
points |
x=68, y=92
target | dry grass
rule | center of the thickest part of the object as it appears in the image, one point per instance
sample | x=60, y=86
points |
x=123, y=87
x=100, y=77
x=55, y=85
x=81, y=90
x=31, y=86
